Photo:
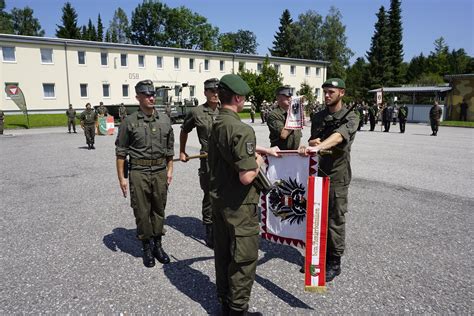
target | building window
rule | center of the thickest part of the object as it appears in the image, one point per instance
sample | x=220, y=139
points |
x=81, y=57
x=192, y=91
x=318, y=71
x=46, y=55
x=221, y=65
x=241, y=65
x=141, y=61
x=191, y=63
x=317, y=91
x=277, y=67
x=259, y=67
x=292, y=70
x=159, y=62
x=206, y=64
x=83, y=90
x=106, y=90
x=123, y=60
x=48, y=90
x=176, y=63
x=8, y=54
x=125, y=90
x=307, y=71
x=177, y=89
x=104, y=59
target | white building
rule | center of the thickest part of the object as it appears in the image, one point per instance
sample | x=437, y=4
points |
x=53, y=73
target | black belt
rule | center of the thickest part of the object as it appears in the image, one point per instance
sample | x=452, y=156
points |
x=147, y=162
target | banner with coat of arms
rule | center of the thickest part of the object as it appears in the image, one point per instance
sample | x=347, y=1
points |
x=295, y=114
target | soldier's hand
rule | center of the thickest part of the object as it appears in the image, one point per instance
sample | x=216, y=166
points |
x=312, y=149
x=274, y=151
x=315, y=142
x=183, y=156
x=302, y=151
x=169, y=178
x=124, y=187
x=259, y=159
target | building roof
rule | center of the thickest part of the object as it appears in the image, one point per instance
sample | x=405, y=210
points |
x=459, y=76
x=83, y=43
x=412, y=89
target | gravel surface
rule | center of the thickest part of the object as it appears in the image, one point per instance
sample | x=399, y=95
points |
x=68, y=244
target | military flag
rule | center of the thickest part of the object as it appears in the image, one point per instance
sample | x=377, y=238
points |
x=14, y=92
x=295, y=116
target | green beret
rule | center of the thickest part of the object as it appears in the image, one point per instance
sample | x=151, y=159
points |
x=285, y=90
x=211, y=83
x=145, y=87
x=235, y=84
x=334, y=83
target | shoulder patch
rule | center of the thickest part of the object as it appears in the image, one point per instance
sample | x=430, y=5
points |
x=250, y=148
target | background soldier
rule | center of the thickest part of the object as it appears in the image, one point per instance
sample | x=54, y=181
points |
x=372, y=116
x=202, y=118
x=2, y=116
x=402, y=117
x=435, y=117
x=88, y=124
x=71, y=119
x=387, y=113
x=252, y=112
x=463, y=110
x=102, y=110
x=329, y=132
x=284, y=138
x=147, y=138
x=234, y=164
x=122, y=112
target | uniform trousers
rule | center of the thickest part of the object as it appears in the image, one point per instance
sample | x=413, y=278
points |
x=434, y=125
x=71, y=123
x=206, y=200
x=337, y=219
x=236, y=252
x=89, y=131
x=148, y=194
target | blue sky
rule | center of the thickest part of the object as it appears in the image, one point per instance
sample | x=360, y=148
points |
x=423, y=20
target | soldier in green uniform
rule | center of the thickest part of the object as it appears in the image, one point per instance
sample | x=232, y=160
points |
x=234, y=164
x=402, y=117
x=102, y=110
x=252, y=113
x=71, y=119
x=285, y=139
x=2, y=115
x=372, y=116
x=202, y=118
x=122, y=112
x=435, y=117
x=88, y=124
x=147, y=138
x=329, y=132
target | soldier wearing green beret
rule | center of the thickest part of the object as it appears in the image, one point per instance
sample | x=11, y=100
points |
x=285, y=139
x=88, y=120
x=234, y=164
x=147, y=138
x=202, y=118
x=332, y=129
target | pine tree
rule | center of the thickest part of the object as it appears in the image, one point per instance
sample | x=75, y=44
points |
x=378, y=55
x=6, y=24
x=107, y=37
x=395, y=42
x=24, y=23
x=283, y=43
x=100, y=29
x=69, y=28
x=91, y=31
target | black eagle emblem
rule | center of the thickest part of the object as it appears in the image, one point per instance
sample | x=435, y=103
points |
x=287, y=201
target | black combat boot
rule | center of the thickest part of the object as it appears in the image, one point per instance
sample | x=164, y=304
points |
x=333, y=268
x=148, y=260
x=92, y=146
x=233, y=312
x=209, y=236
x=88, y=146
x=158, y=251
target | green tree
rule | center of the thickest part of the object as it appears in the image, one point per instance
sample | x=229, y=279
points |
x=91, y=32
x=357, y=81
x=243, y=42
x=107, y=37
x=335, y=48
x=377, y=56
x=100, y=30
x=6, y=24
x=308, y=36
x=24, y=23
x=460, y=63
x=416, y=68
x=395, y=45
x=148, y=23
x=284, y=39
x=69, y=28
x=263, y=85
x=119, y=28
x=308, y=92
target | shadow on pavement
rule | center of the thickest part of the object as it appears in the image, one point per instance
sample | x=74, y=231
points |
x=189, y=226
x=124, y=240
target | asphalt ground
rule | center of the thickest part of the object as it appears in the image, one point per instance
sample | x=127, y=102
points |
x=68, y=244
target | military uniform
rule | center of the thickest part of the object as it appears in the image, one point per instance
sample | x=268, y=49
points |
x=89, y=121
x=102, y=110
x=387, y=113
x=435, y=117
x=2, y=115
x=252, y=113
x=372, y=117
x=71, y=119
x=402, y=117
x=276, y=122
x=122, y=112
x=202, y=118
x=236, y=226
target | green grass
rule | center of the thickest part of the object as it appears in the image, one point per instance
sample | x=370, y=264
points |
x=35, y=120
x=457, y=123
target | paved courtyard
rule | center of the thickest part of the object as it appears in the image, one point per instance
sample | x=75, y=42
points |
x=67, y=236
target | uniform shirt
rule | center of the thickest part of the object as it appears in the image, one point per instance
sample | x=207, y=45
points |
x=403, y=112
x=276, y=122
x=231, y=150
x=102, y=110
x=89, y=117
x=122, y=111
x=201, y=118
x=337, y=165
x=71, y=113
x=146, y=137
x=435, y=113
